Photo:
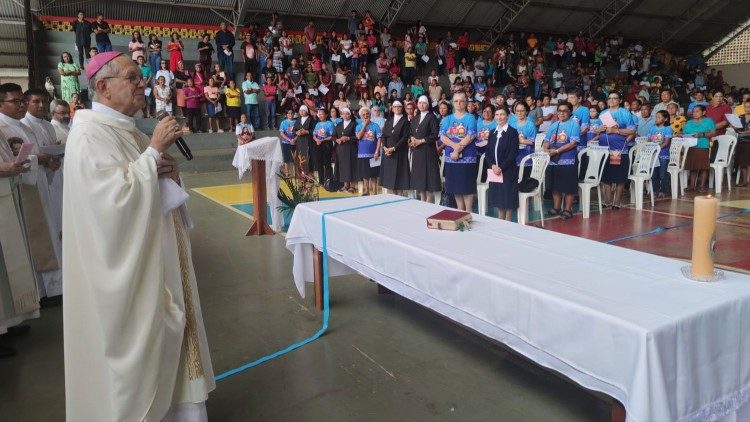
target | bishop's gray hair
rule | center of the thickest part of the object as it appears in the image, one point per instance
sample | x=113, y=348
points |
x=107, y=71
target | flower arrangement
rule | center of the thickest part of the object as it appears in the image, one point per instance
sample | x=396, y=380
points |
x=302, y=187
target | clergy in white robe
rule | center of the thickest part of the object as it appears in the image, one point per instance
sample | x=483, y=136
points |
x=19, y=299
x=135, y=345
x=44, y=132
x=43, y=236
x=60, y=112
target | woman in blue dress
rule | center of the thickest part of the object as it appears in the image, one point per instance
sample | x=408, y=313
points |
x=322, y=137
x=502, y=151
x=616, y=138
x=526, y=134
x=661, y=133
x=368, y=147
x=457, y=133
x=288, y=141
x=560, y=143
x=484, y=128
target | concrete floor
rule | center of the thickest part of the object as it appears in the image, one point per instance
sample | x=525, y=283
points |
x=384, y=358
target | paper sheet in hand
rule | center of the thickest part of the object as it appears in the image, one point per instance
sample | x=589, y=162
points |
x=228, y=52
x=323, y=90
x=690, y=142
x=313, y=91
x=607, y=120
x=172, y=195
x=54, y=150
x=375, y=162
x=298, y=90
x=426, y=58
x=335, y=58
x=23, y=155
x=494, y=178
x=734, y=120
x=147, y=92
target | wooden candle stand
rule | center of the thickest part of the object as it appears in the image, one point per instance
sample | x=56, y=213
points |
x=260, y=225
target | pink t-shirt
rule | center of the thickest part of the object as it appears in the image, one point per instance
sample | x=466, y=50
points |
x=211, y=92
x=137, y=53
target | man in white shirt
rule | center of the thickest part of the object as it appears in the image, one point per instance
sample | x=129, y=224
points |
x=60, y=112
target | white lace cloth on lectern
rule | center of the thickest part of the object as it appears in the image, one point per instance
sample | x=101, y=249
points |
x=266, y=149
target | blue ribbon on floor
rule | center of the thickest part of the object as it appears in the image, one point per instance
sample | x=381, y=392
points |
x=326, y=309
x=662, y=229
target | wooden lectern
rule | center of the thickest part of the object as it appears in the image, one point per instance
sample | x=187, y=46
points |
x=260, y=225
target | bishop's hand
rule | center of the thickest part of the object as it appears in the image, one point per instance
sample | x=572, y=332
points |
x=167, y=167
x=165, y=134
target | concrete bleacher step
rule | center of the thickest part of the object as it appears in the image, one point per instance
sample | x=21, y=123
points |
x=211, y=151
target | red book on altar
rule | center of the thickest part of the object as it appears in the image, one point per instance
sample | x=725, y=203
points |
x=449, y=220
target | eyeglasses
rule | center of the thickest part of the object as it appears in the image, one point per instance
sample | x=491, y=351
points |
x=16, y=101
x=133, y=79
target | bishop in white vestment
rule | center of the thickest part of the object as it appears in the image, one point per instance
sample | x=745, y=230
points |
x=135, y=344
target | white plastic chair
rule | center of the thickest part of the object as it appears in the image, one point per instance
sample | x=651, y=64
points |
x=646, y=158
x=641, y=140
x=676, y=165
x=538, y=141
x=482, y=188
x=540, y=160
x=598, y=156
x=720, y=166
x=439, y=194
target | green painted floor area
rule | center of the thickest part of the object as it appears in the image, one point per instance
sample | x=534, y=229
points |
x=383, y=359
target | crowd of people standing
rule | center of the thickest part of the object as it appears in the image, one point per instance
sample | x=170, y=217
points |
x=541, y=84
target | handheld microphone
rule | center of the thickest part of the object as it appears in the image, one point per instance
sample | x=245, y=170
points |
x=181, y=144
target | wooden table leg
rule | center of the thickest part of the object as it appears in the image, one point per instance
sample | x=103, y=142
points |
x=618, y=411
x=260, y=225
x=318, y=278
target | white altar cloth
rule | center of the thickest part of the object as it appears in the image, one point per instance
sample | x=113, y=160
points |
x=614, y=320
x=267, y=149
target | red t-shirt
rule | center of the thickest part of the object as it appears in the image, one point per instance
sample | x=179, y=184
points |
x=269, y=91
x=463, y=41
x=717, y=115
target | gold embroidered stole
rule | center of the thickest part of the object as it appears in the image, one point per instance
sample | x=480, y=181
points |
x=190, y=343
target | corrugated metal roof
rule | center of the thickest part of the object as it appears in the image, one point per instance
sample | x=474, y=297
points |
x=137, y=11
x=643, y=19
x=9, y=9
x=12, y=31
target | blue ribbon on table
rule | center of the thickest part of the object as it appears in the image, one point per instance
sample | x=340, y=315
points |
x=326, y=308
